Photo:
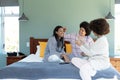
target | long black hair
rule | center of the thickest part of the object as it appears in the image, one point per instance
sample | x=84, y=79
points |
x=60, y=42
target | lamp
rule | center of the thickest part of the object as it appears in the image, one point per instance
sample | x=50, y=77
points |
x=23, y=17
x=109, y=15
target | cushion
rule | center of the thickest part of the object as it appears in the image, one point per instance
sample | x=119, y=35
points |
x=68, y=48
x=42, y=48
x=38, y=50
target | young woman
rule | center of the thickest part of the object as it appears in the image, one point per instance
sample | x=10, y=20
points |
x=55, y=46
x=98, y=52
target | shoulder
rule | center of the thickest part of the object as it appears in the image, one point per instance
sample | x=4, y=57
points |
x=51, y=38
x=89, y=38
x=103, y=38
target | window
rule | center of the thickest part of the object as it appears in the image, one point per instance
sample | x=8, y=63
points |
x=117, y=29
x=11, y=28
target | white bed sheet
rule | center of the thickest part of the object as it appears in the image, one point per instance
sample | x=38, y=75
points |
x=32, y=58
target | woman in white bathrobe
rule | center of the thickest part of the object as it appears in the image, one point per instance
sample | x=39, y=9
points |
x=98, y=53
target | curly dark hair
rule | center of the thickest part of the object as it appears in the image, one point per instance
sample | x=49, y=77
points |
x=100, y=26
x=86, y=26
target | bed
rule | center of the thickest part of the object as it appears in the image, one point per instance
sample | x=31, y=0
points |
x=33, y=68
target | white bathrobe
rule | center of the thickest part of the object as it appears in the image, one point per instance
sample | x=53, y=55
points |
x=98, y=53
x=98, y=58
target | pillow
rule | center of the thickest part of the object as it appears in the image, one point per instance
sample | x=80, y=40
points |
x=68, y=48
x=42, y=48
x=38, y=50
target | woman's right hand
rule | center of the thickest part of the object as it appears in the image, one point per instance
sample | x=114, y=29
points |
x=64, y=28
x=65, y=57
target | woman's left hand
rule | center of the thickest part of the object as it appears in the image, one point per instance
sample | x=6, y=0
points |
x=78, y=43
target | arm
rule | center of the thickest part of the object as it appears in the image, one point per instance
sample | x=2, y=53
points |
x=67, y=37
x=99, y=47
x=90, y=41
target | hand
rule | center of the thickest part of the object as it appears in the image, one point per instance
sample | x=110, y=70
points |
x=62, y=55
x=78, y=42
x=83, y=54
x=64, y=29
x=65, y=57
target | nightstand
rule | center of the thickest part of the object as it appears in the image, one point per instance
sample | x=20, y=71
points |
x=12, y=59
x=116, y=63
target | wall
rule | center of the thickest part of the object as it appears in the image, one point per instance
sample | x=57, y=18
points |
x=0, y=33
x=2, y=60
x=44, y=15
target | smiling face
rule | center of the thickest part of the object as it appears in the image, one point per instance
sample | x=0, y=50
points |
x=60, y=32
x=82, y=32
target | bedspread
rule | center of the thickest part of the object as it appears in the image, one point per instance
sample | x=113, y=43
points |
x=41, y=70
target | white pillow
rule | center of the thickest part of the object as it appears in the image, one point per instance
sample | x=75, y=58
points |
x=54, y=58
x=37, y=51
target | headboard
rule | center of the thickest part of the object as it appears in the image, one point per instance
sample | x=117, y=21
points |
x=34, y=43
